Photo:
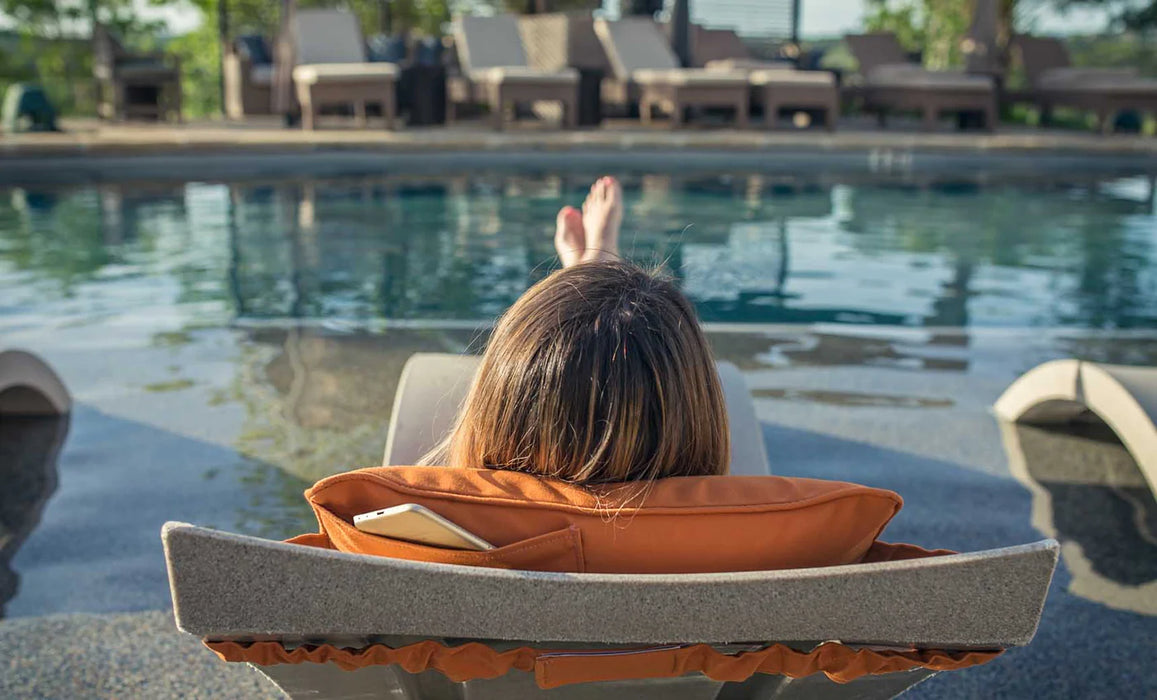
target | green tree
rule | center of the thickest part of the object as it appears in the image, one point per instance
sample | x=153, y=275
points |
x=1133, y=15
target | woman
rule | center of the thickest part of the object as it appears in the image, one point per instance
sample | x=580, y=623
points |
x=599, y=373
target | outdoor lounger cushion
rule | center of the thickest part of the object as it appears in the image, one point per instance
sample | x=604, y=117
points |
x=675, y=525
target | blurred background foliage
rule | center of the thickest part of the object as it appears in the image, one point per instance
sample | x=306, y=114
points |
x=49, y=43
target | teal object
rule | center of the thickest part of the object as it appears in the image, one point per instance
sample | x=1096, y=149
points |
x=27, y=108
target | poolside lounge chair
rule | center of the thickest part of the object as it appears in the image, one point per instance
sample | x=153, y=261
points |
x=891, y=82
x=496, y=72
x=29, y=387
x=1103, y=91
x=643, y=64
x=248, y=74
x=1071, y=391
x=34, y=420
x=330, y=67
x=134, y=85
x=495, y=633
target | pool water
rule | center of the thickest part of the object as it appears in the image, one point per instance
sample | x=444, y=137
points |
x=747, y=249
x=229, y=343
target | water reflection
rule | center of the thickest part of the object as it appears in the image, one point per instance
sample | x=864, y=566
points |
x=747, y=248
x=1089, y=494
x=29, y=447
x=318, y=402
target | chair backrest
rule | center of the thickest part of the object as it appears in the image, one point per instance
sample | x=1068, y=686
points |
x=635, y=43
x=489, y=42
x=875, y=50
x=1040, y=54
x=716, y=45
x=327, y=36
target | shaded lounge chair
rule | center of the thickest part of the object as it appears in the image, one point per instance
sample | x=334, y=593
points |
x=891, y=82
x=1104, y=91
x=248, y=74
x=313, y=603
x=495, y=72
x=134, y=85
x=644, y=65
x=1063, y=392
x=330, y=66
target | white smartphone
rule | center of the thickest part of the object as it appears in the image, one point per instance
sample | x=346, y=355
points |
x=416, y=523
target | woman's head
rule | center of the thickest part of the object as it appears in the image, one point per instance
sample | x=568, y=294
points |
x=598, y=373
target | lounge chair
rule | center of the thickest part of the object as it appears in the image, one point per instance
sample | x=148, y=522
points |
x=29, y=387
x=495, y=72
x=775, y=85
x=1063, y=392
x=643, y=64
x=1056, y=83
x=134, y=85
x=891, y=82
x=330, y=66
x=248, y=74
x=321, y=614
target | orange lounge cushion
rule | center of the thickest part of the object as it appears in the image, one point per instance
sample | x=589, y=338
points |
x=676, y=525
x=553, y=669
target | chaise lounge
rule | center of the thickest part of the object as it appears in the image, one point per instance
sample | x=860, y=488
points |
x=1104, y=91
x=327, y=624
x=891, y=82
x=330, y=67
x=644, y=65
x=495, y=72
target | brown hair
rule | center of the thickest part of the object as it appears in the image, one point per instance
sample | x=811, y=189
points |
x=599, y=373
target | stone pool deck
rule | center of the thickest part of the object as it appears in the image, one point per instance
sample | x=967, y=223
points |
x=91, y=137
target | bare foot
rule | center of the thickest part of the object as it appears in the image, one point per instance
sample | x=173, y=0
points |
x=569, y=238
x=602, y=217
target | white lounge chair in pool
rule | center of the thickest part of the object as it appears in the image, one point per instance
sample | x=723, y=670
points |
x=330, y=66
x=1068, y=391
x=495, y=71
x=29, y=387
x=232, y=590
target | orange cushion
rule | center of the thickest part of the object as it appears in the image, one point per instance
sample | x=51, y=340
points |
x=676, y=525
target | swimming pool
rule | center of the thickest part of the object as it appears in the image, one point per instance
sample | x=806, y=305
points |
x=747, y=248
x=229, y=342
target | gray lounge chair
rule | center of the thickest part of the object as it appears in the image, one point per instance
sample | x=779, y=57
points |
x=230, y=587
x=495, y=72
x=134, y=85
x=248, y=74
x=891, y=82
x=330, y=67
x=1063, y=392
x=1103, y=91
x=29, y=387
x=644, y=65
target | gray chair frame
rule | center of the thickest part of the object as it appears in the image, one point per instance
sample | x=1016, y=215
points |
x=229, y=587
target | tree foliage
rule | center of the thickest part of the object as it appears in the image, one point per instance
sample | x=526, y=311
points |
x=1133, y=15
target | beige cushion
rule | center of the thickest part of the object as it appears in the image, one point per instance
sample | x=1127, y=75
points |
x=914, y=77
x=1085, y=77
x=688, y=76
x=780, y=76
x=747, y=64
x=489, y=42
x=344, y=72
x=327, y=36
x=529, y=76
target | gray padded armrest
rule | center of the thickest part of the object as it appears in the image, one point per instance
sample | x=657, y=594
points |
x=228, y=586
x=433, y=386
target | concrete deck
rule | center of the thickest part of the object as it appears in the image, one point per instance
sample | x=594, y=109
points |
x=90, y=137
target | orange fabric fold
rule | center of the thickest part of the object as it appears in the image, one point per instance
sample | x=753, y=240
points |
x=553, y=669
